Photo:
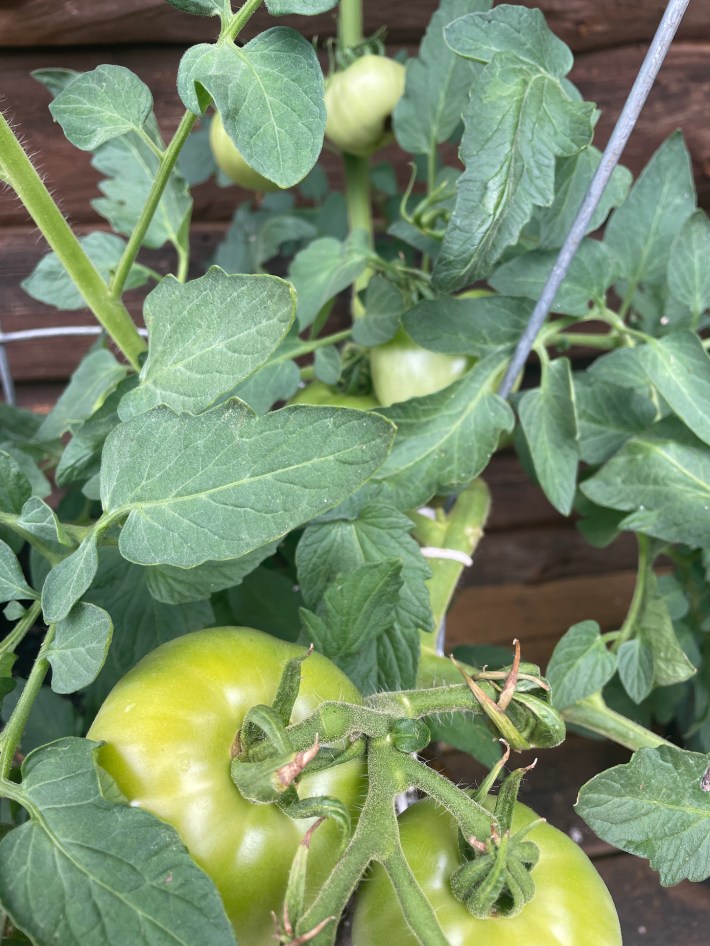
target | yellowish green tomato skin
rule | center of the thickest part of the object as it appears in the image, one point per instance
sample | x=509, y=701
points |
x=169, y=727
x=231, y=163
x=401, y=369
x=359, y=101
x=319, y=393
x=571, y=907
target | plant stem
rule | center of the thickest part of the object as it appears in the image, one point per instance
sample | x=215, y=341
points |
x=19, y=172
x=592, y=713
x=359, y=206
x=629, y=625
x=418, y=912
x=309, y=346
x=241, y=18
x=350, y=22
x=151, y=205
x=12, y=733
x=19, y=631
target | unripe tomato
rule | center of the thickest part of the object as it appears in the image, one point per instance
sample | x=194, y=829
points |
x=231, y=163
x=319, y=393
x=359, y=102
x=571, y=906
x=402, y=369
x=169, y=727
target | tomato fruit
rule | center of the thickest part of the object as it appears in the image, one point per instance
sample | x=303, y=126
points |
x=359, y=101
x=319, y=393
x=402, y=369
x=571, y=907
x=230, y=161
x=169, y=727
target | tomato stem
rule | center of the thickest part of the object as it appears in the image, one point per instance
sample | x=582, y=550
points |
x=593, y=714
x=21, y=175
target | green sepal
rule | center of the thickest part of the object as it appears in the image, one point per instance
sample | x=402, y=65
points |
x=289, y=685
x=322, y=806
x=263, y=724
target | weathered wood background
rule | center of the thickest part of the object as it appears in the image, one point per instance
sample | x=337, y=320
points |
x=534, y=576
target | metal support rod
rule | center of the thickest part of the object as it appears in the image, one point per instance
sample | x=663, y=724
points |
x=610, y=158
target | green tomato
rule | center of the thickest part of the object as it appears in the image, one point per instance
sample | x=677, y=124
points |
x=231, y=163
x=402, y=369
x=169, y=727
x=571, y=906
x=359, y=102
x=319, y=393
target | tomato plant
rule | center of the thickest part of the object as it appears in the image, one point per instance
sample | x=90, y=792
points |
x=401, y=369
x=360, y=100
x=170, y=727
x=230, y=161
x=571, y=907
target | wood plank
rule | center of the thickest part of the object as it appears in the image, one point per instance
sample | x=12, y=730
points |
x=678, y=100
x=583, y=24
x=538, y=615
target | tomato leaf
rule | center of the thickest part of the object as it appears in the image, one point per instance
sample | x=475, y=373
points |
x=607, y=416
x=688, y=274
x=477, y=326
x=592, y=271
x=199, y=7
x=79, y=647
x=229, y=481
x=126, y=875
x=641, y=231
x=270, y=96
x=445, y=439
x=206, y=336
x=520, y=118
x=68, y=580
x=328, y=364
x=275, y=381
x=256, y=235
x=39, y=520
x=98, y=375
x=300, y=7
x=580, y=665
x=679, y=368
x=81, y=458
x=384, y=307
x=13, y=586
x=102, y=104
x=636, y=668
x=653, y=625
x=50, y=283
x=654, y=807
x=15, y=488
x=549, y=422
x=438, y=84
x=323, y=269
x=667, y=460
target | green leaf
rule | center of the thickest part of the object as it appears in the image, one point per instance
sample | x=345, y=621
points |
x=98, y=375
x=206, y=336
x=661, y=477
x=384, y=307
x=140, y=622
x=592, y=271
x=102, y=104
x=572, y=179
x=79, y=647
x=322, y=270
x=7, y=681
x=376, y=533
x=444, y=440
x=219, y=485
x=679, y=368
x=267, y=599
x=654, y=627
x=688, y=273
x=13, y=586
x=55, y=80
x=510, y=29
x=636, y=668
x=125, y=875
x=130, y=166
x=15, y=488
x=300, y=7
x=50, y=283
x=640, y=233
x=178, y=585
x=607, y=416
x=39, y=520
x=621, y=367
x=270, y=96
x=437, y=86
x=549, y=422
x=518, y=122
x=480, y=326
x=68, y=580
x=327, y=364
x=257, y=234
x=580, y=665
x=199, y=7
x=275, y=381
x=654, y=807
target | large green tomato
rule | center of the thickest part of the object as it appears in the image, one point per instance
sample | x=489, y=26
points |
x=402, y=369
x=230, y=161
x=359, y=102
x=169, y=727
x=319, y=393
x=571, y=907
